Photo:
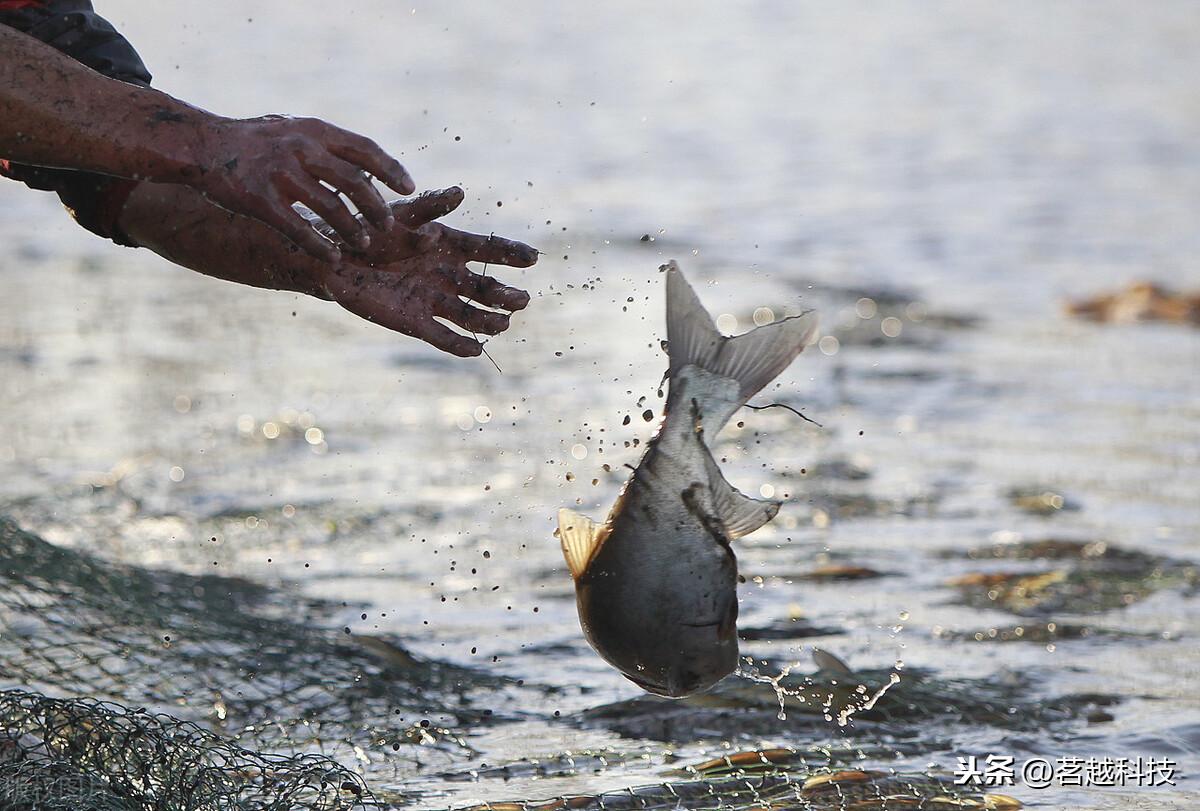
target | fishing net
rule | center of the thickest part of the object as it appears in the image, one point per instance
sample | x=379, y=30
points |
x=81, y=754
x=238, y=667
x=779, y=780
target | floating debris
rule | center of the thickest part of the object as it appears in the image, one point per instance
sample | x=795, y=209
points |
x=1039, y=501
x=1051, y=549
x=1100, y=577
x=1140, y=301
x=1037, y=632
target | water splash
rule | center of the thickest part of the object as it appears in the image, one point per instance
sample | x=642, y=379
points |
x=852, y=698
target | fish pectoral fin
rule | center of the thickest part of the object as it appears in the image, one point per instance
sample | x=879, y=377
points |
x=740, y=513
x=579, y=536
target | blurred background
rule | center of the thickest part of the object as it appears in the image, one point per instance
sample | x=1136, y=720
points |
x=938, y=180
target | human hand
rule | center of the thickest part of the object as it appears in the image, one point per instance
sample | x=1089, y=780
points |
x=416, y=272
x=258, y=167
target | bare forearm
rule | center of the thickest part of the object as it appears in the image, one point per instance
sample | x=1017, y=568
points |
x=180, y=225
x=56, y=112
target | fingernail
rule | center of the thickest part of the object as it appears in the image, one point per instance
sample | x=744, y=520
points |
x=389, y=221
x=364, y=240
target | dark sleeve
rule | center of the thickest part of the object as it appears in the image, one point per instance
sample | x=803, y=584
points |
x=73, y=27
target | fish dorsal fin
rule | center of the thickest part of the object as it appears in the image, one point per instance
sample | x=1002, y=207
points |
x=740, y=513
x=827, y=661
x=579, y=536
x=751, y=360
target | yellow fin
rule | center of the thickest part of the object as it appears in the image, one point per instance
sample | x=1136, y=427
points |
x=579, y=536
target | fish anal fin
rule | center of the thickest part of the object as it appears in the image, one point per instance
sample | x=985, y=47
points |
x=740, y=513
x=579, y=536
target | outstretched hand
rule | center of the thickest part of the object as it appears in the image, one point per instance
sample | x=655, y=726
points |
x=415, y=273
x=258, y=167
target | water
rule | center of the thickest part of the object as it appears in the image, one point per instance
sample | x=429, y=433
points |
x=986, y=161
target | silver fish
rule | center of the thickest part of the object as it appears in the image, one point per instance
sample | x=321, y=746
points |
x=656, y=583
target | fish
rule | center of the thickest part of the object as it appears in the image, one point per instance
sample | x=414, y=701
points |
x=656, y=583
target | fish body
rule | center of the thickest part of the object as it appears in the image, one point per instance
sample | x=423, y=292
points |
x=656, y=584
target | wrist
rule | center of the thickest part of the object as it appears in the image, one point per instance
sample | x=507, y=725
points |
x=303, y=274
x=194, y=143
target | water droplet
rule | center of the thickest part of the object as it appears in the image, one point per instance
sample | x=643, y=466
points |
x=866, y=308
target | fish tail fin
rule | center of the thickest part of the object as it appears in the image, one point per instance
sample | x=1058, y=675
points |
x=751, y=360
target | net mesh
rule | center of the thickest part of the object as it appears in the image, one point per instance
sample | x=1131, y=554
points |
x=83, y=754
x=239, y=668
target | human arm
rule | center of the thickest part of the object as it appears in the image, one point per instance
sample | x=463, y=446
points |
x=412, y=272
x=56, y=112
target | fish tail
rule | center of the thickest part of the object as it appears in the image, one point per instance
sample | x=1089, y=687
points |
x=752, y=360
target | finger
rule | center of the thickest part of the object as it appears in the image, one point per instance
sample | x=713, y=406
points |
x=473, y=318
x=329, y=207
x=367, y=155
x=457, y=311
x=354, y=184
x=287, y=221
x=443, y=338
x=491, y=292
x=491, y=249
x=384, y=311
x=427, y=207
